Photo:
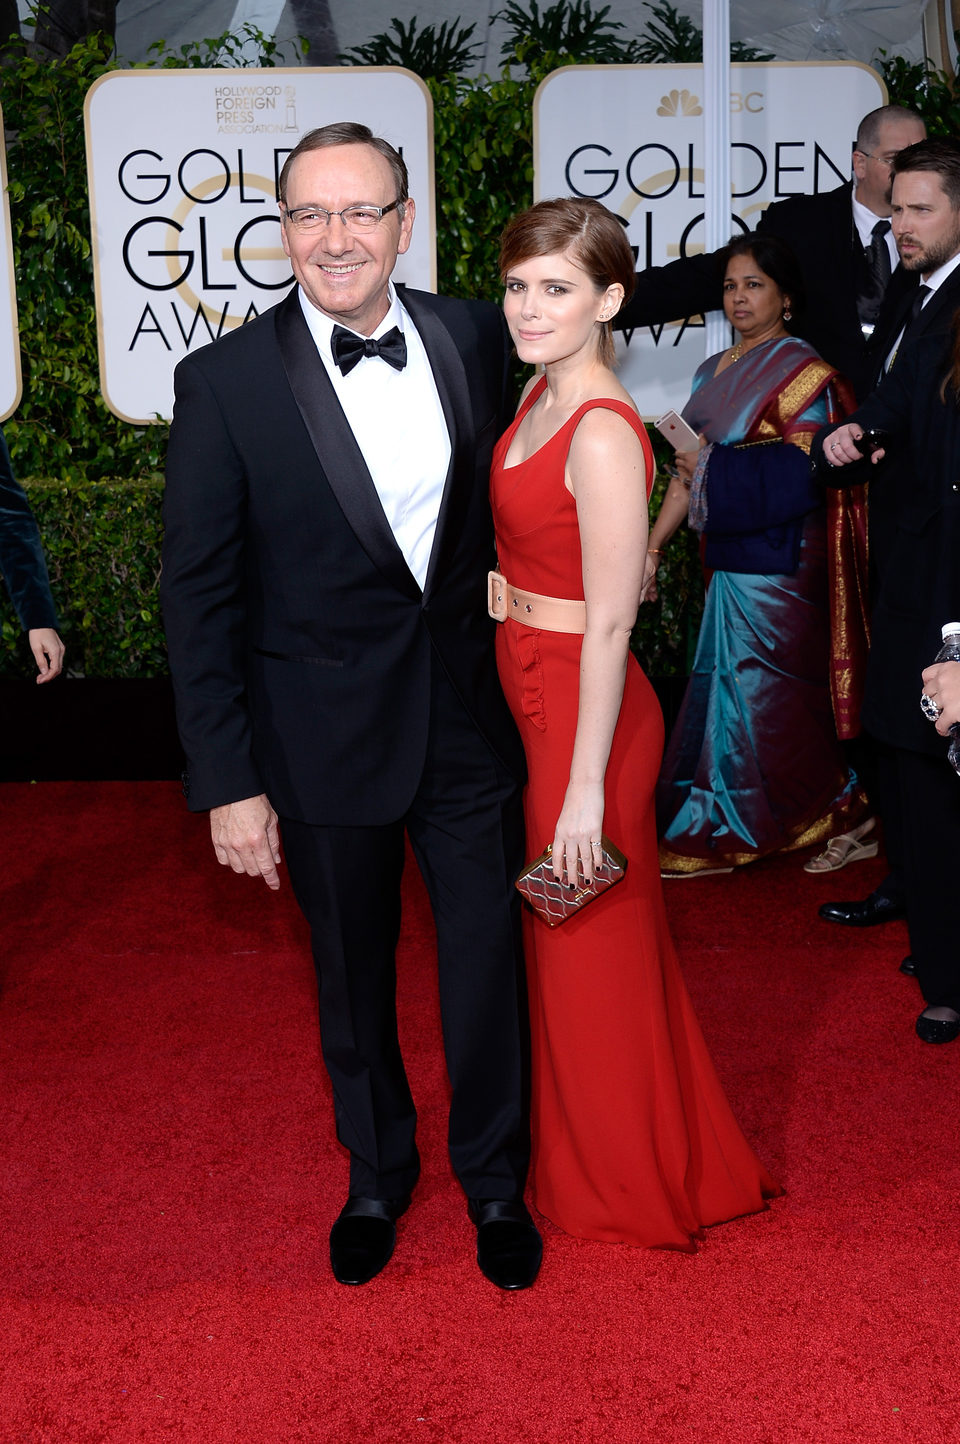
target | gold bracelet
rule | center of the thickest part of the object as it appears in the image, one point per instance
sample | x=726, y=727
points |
x=654, y=552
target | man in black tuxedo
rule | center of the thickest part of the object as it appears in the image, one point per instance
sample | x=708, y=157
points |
x=915, y=493
x=846, y=271
x=328, y=537
x=924, y=229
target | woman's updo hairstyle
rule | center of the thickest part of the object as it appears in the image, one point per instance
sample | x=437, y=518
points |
x=593, y=236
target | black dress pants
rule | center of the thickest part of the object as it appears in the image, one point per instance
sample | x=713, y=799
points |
x=920, y=794
x=466, y=829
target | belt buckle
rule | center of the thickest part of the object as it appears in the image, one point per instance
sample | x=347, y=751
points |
x=497, y=596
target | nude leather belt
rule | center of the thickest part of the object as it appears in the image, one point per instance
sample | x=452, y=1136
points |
x=549, y=614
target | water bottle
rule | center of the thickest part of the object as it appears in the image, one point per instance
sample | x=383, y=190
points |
x=950, y=652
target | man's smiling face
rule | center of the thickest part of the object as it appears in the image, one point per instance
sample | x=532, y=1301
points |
x=345, y=275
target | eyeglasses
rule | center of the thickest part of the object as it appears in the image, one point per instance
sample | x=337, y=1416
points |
x=886, y=160
x=356, y=219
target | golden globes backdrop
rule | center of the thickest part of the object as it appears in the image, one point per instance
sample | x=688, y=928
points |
x=183, y=168
x=633, y=137
x=10, y=379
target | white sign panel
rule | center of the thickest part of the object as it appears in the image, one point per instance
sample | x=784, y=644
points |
x=10, y=379
x=183, y=168
x=633, y=137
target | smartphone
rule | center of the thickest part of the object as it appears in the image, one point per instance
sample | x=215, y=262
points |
x=871, y=441
x=680, y=436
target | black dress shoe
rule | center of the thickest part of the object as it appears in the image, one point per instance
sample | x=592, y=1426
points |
x=509, y=1248
x=937, y=1030
x=876, y=908
x=908, y=967
x=362, y=1239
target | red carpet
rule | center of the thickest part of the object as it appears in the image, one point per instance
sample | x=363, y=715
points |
x=169, y=1176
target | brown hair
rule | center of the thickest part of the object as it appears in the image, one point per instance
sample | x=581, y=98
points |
x=593, y=235
x=348, y=132
x=939, y=155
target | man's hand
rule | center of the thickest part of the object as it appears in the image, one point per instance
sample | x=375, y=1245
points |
x=941, y=682
x=246, y=838
x=48, y=651
x=840, y=449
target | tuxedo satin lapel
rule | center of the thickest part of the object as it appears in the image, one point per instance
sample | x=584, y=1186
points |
x=339, y=455
x=451, y=378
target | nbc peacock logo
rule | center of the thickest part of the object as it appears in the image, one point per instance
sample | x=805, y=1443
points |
x=679, y=102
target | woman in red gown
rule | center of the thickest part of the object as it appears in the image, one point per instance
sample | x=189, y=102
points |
x=633, y=1139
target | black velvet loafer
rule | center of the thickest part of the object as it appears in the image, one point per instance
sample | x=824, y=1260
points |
x=509, y=1248
x=937, y=1030
x=876, y=908
x=362, y=1239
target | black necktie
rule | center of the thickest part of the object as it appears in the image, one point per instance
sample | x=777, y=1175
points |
x=349, y=348
x=878, y=253
x=916, y=306
x=877, y=257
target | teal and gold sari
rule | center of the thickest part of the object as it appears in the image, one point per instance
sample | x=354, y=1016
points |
x=754, y=764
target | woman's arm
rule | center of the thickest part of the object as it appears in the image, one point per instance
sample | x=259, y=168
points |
x=673, y=511
x=607, y=476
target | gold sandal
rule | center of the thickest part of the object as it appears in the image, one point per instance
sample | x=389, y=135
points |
x=844, y=848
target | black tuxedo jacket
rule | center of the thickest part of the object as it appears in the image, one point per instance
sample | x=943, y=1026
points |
x=300, y=643
x=917, y=551
x=820, y=231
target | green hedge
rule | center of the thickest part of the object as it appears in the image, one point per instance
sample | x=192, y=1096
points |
x=102, y=540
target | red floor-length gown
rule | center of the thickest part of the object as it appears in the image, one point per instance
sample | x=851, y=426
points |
x=633, y=1139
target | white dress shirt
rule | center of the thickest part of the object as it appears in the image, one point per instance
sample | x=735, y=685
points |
x=399, y=426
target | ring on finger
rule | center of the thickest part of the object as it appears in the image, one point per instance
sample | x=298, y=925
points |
x=929, y=707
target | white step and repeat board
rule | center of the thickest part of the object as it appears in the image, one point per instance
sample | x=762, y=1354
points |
x=183, y=168
x=10, y=380
x=633, y=137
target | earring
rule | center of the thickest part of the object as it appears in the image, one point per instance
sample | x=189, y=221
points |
x=788, y=314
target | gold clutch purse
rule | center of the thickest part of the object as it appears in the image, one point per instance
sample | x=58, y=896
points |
x=554, y=901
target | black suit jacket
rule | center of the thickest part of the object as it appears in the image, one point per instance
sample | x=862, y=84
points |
x=300, y=643
x=820, y=231
x=21, y=552
x=917, y=552
x=934, y=321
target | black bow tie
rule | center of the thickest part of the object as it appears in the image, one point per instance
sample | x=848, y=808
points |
x=349, y=348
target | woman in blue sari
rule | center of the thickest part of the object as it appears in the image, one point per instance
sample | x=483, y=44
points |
x=754, y=764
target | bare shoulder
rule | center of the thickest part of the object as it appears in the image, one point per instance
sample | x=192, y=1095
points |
x=603, y=430
x=606, y=457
